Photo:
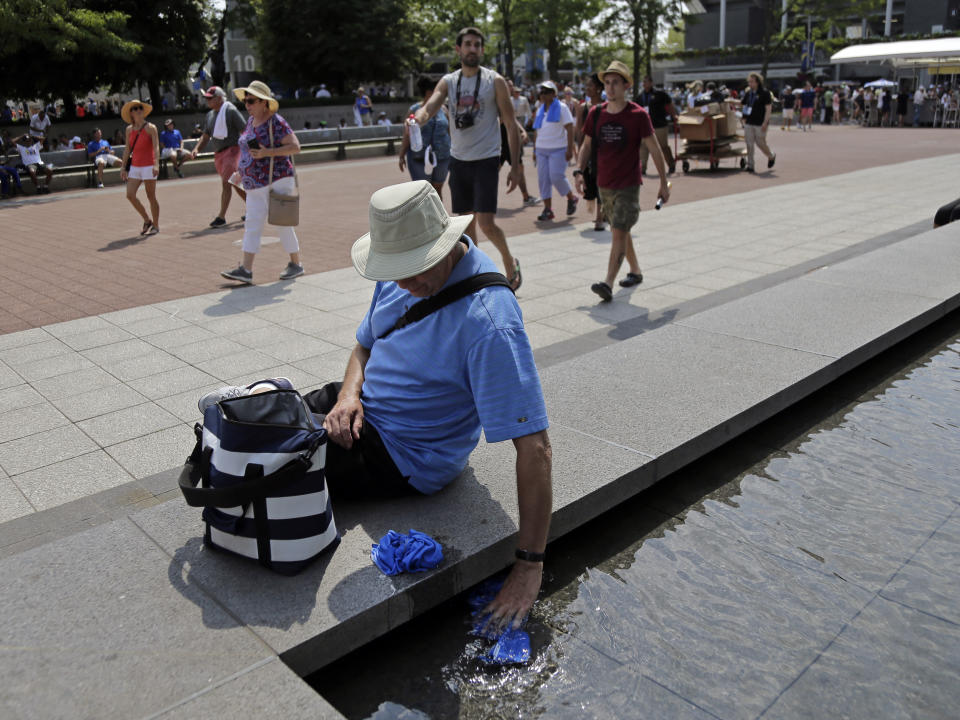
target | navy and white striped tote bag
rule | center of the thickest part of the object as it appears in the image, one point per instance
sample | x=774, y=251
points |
x=259, y=461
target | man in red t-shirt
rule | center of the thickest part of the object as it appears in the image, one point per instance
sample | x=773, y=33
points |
x=619, y=128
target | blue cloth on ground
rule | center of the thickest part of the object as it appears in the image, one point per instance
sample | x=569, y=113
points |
x=553, y=114
x=415, y=552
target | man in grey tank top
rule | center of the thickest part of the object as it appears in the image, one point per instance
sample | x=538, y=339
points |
x=478, y=100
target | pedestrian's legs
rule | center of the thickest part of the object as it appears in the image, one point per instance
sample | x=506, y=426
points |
x=99, y=171
x=749, y=137
x=557, y=161
x=33, y=176
x=151, y=187
x=761, y=139
x=132, y=187
x=257, y=207
x=495, y=235
x=288, y=237
x=543, y=177
x=226, y=192
x=523, y=183
x=663, y=137
x=621, y=249
x=4, y=182
x=49, y=174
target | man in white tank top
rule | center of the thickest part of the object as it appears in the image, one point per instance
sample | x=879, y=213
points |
x=478, y=99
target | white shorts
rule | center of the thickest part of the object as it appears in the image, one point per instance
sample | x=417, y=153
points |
x=141, y=172
x=168, y=153
x=106, y=160
x=788, y=113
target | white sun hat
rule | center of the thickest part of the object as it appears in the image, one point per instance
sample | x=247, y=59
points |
x=410, y=232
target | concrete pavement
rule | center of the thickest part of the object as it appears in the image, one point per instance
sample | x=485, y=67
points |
x=96, y=412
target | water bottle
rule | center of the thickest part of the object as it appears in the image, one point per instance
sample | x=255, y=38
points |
x=416, y=140
x=660, y=199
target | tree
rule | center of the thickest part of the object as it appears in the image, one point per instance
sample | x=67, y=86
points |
x=338, y=42
x=823, y=13
x=644, y=20
x=60, y=48
x=172, y=35
x=557, y=25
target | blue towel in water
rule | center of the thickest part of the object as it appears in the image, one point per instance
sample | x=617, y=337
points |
x=415, y=552
x=512, y=647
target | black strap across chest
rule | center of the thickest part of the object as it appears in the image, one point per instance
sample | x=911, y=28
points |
x=446, y=296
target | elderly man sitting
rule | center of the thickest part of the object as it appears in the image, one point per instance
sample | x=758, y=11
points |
x=415, y=397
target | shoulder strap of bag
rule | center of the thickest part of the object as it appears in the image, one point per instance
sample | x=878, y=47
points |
x=446, y=296
x=197, y=468
x=296, y=180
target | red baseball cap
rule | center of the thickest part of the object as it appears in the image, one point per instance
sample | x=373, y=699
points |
x=214, y=91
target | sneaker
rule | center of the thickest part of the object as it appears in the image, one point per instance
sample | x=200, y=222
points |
x=750, y=169
x=293, y=270
x=603, y=290
x=632, y=279
x=546, y=215
x=572, y=206
x=599, y=226
x=178, y=172
x=241, y=274
x=99, y=186
x=217, y=222
x=277, y=383
x=771, y=161
x=532, y=200
x=224, y=393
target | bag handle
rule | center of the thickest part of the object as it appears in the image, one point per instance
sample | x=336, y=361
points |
x=243, y=492
x=446, y=296
x=296, y=180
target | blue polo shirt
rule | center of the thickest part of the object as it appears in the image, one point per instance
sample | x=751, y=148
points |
x=95, y=146
x=431, y=387
x=171, y=138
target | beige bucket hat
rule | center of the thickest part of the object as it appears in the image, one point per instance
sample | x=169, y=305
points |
x=260, y=90
x=410, y=232
x=620, y=69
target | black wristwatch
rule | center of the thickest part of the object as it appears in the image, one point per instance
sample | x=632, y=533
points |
x=529, y=556
x=578, y=171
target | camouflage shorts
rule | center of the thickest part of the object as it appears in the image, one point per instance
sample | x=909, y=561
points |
x=621, y=206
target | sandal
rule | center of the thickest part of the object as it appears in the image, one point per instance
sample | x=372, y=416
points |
x=632, y=279
x=603, y=290
x=146, y=227
x=516, y=280
x=153, y=229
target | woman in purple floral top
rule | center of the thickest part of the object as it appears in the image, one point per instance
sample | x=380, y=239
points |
x=256, y=149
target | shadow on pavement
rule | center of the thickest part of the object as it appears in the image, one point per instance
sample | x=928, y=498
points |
x=244, y=298
x=121, y=244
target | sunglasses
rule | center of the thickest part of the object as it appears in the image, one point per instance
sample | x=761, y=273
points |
x=251, y=100
x=137, y=108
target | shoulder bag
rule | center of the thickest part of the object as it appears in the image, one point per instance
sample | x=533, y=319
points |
x=283, y=210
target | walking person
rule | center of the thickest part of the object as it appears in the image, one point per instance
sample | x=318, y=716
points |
x=788, y=100
x=528, y=199
x=659, y=106
x=363, y=108
x=808, y=98
x=266, y=143
x=594, y=97
x=617, y=129
x=902, y=100
x=554, y=148
x=141, y=162
x=919, y=98
x=435, y=136
x=222, y=126
x=478, y=100
x=757, y=106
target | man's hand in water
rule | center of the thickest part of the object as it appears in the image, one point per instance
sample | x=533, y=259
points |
x=516, y=597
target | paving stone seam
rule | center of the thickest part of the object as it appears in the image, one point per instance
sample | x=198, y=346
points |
x=605, y=441
x=212, y=686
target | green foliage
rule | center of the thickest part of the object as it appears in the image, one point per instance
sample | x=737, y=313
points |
x=303, y=42
x=559, y=26
x=639, y=22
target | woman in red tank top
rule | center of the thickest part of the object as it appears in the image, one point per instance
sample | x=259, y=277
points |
x=141, y=162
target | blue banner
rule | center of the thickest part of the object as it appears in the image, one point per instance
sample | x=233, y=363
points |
x=807, y=56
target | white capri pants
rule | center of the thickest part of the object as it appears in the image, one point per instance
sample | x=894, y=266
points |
x=258, y=203
x=552, y=171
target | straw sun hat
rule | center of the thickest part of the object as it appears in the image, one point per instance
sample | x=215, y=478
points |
x=260, y=90
x=410, y=232
x=125, y=110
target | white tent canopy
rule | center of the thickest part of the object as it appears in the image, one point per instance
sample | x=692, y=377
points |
x=905, y=53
